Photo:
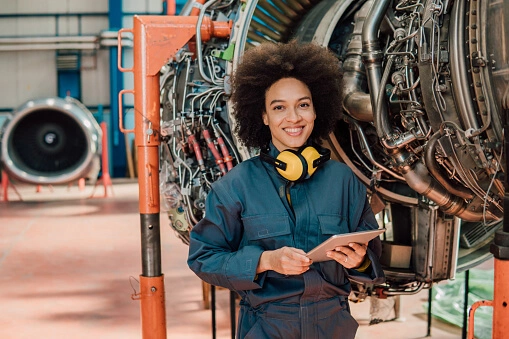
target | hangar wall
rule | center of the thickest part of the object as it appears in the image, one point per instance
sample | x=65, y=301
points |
x=32, y=68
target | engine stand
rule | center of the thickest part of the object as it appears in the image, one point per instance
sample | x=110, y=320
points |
x=156, y=40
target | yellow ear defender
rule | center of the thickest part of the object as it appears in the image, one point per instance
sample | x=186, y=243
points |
x=297, y=165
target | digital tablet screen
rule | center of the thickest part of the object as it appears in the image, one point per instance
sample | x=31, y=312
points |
x=319, y=253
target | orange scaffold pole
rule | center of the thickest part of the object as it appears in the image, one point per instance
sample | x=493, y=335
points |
x=156, y=41
x=500, y=302
x=500, y=250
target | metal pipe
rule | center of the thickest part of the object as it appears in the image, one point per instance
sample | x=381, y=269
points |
x=45, y=47
x=49, y=39
x=391, y=196
x=370, y=156
x=419, y=179
x=199, y=40
x=438, y=173
x=150, y=245
x=459, y=76
x=372, y=56
x=355, y=101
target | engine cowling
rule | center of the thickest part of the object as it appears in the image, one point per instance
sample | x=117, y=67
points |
x=51, y=141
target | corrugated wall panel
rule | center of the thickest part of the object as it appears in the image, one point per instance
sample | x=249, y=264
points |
x=32, y=74
x=25, y=76
x=147, y=6
x=96, y=82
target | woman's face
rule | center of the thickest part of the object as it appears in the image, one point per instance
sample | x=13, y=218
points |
x=289, y=113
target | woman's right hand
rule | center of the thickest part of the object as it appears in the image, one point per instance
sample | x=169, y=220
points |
x=285, y=260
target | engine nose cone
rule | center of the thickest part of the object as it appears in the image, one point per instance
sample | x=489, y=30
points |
x=51, y=140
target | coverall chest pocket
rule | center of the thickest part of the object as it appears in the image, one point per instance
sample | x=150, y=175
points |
x=268, y=231
x=331, y=224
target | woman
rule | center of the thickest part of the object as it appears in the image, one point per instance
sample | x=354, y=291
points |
x=265, y=214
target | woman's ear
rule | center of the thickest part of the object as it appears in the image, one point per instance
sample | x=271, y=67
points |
x=265, y=118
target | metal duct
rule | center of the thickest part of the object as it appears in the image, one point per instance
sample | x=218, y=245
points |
x=51, y=141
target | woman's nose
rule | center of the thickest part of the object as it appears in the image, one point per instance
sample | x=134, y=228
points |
x=293, y=115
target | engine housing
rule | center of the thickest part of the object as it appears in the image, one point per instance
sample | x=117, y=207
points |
x=51, y=141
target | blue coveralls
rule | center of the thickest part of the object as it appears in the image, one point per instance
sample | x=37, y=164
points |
x=247, y=212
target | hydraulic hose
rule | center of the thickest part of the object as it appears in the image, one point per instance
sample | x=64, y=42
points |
x=438, y=173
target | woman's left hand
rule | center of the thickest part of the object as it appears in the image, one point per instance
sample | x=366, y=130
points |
x=351, y=256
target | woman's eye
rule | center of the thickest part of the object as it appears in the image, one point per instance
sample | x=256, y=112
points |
x=304, y=104
x=277, y=108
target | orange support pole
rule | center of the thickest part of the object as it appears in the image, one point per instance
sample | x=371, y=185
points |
x=171, y=7
x=105, y=163
x=471, y=314
x=196, y=8
x=500, y=303
x=501, y=300
x=5, y=186
x=156, y=41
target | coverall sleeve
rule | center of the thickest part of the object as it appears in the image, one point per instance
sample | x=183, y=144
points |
x=215, y=251
x=362, y=218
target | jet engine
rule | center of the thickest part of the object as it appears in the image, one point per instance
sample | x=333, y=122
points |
x=425, y=92
x=51, y=141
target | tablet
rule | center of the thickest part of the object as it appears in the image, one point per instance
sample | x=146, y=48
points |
x=319, y=253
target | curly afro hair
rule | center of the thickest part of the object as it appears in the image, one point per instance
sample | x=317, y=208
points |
x=267, y=63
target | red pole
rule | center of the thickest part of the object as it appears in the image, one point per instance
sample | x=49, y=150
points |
x=105, y=167
x=156, y=41
x=5, y=186
x=501, y=300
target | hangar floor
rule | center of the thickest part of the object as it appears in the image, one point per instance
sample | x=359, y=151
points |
x=69, y=260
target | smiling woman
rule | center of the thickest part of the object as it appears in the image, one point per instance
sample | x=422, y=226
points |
x=268, y=211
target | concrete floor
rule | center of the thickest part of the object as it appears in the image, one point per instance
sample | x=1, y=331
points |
x=70, y=260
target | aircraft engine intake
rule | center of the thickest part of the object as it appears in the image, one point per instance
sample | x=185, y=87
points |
x=51, y=141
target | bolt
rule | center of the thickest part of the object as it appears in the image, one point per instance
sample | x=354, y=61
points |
x=150, y=227
x=476, y=70
x=153, y=289
x=474, y=12
x=474, y=40
x=474, y=26
x=481, y=97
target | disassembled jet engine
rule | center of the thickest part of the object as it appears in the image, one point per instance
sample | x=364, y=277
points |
x=425, y=92
x=51, y=141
